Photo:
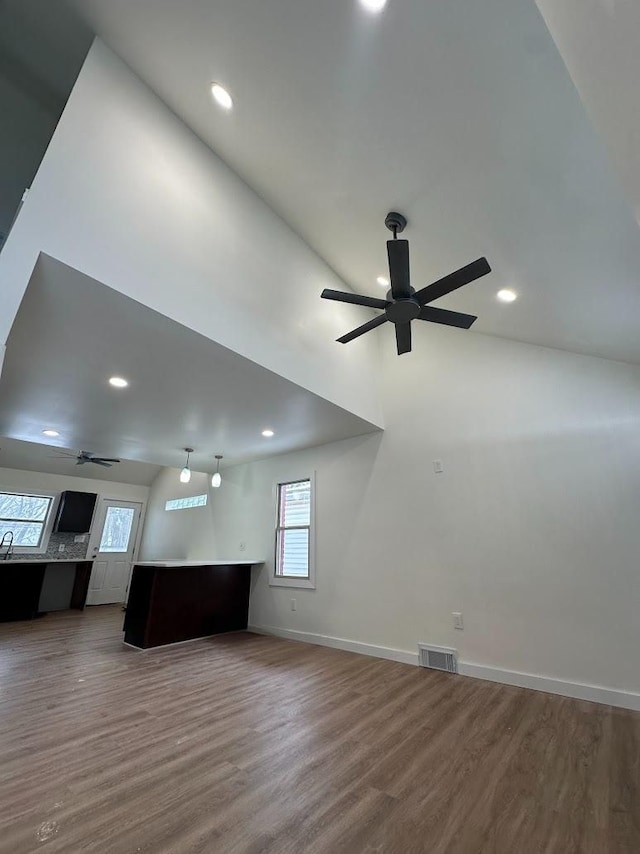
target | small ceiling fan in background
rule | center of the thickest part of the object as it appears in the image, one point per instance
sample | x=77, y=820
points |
x=86, y=457
x=403, y=303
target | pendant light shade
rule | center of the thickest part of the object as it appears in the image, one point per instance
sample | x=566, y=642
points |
x=216, y=479
x=185, y=474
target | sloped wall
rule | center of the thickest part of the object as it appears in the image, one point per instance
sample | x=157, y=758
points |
x=531, y=530
x=128, y=195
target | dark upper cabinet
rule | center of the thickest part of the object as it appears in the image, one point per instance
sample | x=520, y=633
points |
x=75, y=512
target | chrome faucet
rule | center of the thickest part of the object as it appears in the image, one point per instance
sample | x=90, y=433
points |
x=8, y=535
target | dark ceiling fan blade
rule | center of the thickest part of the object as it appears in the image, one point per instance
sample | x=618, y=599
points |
x=449, y=318
x=354, y=299
x=403, y=337
x=366, y=327
x=453, y=281
x=101, y=463
x=398, y=252
x=103, y=460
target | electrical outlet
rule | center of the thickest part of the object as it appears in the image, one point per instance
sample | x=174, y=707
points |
x=243, y=546
x=61, y=547
x=437, y=466
x=294, y=605
x=457, y=620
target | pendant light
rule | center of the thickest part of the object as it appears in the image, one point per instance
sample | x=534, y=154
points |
x=185, y=474
x=216, y=479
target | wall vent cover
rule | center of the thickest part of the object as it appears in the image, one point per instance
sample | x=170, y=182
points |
x=438, y=657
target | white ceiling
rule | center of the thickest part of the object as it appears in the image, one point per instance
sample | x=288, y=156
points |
x=33, y=456
x=460, y=114
x=72, y=333
x=600, y=43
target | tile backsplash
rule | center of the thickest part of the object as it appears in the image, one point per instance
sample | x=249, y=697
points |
x=72, y=550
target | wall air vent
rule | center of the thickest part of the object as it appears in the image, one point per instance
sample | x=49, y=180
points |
x=438, y=657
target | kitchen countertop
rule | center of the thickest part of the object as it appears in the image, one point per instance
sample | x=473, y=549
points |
x=179, y=563
x=44, y=560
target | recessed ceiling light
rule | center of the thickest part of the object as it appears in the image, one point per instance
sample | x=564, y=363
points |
x=50, y=433
x=267, y=433
x=221, y=96
x=507, y=295
x=118, y=382
x=374, y=6
x=382, y=281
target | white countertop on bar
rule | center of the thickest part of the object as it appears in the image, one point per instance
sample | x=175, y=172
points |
x=179, y=563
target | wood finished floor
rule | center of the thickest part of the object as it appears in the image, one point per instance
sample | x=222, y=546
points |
x=251, y=744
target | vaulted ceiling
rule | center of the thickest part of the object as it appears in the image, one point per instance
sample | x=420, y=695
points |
x=72, y=334
x=462, y=115
x=599, y=40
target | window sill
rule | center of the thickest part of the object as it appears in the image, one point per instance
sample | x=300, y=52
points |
x=300, y=583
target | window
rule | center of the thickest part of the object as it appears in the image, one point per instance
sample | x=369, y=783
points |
x=294, y=534
x=116, y=530
x=25, y=516
x=185, y=503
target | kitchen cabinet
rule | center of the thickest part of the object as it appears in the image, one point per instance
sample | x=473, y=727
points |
x=21, y=585
x=75, y=512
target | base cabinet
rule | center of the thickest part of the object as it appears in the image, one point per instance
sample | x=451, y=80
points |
x=177, y=603
x=21, y=587
x=20, y=591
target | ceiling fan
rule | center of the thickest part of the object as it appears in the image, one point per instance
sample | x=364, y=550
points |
x=403, y=303
x=87, y=457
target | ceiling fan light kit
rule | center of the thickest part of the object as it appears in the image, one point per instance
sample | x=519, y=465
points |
x=403, y=303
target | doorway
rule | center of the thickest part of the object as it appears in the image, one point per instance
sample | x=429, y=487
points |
x=112, y=548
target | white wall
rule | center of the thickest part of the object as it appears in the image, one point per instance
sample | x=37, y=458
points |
x=17, y=480
x=128, y=195
x=531, y=530
x=179, y=534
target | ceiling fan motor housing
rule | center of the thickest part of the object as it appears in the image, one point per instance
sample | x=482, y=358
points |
x=402, y=310
x=395, y=222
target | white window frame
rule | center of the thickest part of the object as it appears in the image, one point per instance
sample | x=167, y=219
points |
x=291, y=581
x=47, y=525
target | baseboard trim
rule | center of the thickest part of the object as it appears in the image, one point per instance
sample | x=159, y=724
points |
x=389, y=653
x=578, y=691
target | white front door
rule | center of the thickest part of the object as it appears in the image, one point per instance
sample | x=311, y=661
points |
x=112, y=549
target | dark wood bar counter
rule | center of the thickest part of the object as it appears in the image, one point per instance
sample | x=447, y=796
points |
x=174, y=601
